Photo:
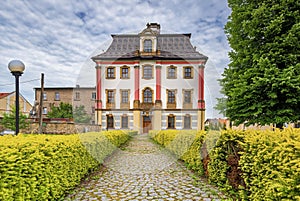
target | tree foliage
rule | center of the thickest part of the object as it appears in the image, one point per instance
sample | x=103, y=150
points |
x=80, y=115
x=262, y=81
x=221, y=106
x=9, y=120
x=64, y=110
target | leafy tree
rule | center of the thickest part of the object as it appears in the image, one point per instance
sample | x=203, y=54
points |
x=262, y=81
x=9, y=120
x=221, y=106
x=80, y=115
x=64, y=110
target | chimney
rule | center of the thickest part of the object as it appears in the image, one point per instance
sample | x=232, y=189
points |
x=154, y=27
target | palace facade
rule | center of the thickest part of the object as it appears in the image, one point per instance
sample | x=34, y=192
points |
x=150, y=81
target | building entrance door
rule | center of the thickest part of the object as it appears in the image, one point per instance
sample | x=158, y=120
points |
x=146, y=124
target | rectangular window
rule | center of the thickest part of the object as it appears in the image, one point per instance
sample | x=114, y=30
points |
x=44, y=96
x=45, y=111
x=77, y=96
x=110, y=73
x=171, y=72
x=187, y=121
x=110, y=96
x=124, y=72
x=57, y=96
x=110, y=121
x=124, y=121
x=187, y=97
x=171, y=96
x=187, y=72
x=147, y=45
x=94, y=96
x=93, y=110
x=124, y=96
x=147, y=72
x=171, y=121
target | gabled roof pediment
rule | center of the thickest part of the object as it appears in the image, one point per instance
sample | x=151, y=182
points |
x=148, y=32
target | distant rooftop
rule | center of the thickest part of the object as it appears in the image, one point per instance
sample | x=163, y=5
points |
x=3, y=95
x=58, y=87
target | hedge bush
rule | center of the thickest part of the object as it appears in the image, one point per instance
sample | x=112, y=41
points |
x=223, y=166
x=46, y=167
x=184, y=144
x=248, y=165
x=270, y=164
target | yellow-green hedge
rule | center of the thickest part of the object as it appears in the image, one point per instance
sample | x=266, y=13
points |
x=270, y=164
x=248, y=165
x=226, y=149
x=185, y=144
x=45, y=167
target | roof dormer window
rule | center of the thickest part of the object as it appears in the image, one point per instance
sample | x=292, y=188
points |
x=147, y=45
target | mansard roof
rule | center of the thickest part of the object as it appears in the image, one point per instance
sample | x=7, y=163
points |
x=171, y=46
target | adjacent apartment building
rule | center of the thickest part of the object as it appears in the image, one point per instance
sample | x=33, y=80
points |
x=150, y=80
x=76, y=96
x=7, y=102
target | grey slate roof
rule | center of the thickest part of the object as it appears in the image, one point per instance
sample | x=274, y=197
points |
x=171, y=46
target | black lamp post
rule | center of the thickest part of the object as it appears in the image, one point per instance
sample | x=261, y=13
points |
x=17, y=67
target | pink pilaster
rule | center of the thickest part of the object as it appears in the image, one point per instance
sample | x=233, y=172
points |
x=98, y=87
x=158, y=83
x=201, y=102
x=136, y=83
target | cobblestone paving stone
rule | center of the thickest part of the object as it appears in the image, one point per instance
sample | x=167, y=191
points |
x=145, y=171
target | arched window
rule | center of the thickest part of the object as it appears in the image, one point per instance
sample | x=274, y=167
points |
x=147, y=45
x=147, y=95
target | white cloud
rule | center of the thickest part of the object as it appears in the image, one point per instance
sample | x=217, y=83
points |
x=59, y=37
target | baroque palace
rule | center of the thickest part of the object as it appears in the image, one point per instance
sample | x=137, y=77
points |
x=150, y=81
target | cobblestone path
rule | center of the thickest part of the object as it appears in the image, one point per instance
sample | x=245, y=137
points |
x=144, y=171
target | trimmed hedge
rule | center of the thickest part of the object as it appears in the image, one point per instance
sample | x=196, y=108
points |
x=46, y=167
x=248, y=165
x=185, y=144
x=270, y=164
x=223, y=166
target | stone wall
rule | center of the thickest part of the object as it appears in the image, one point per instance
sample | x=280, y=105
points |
x=60, y=128
x=83, y=128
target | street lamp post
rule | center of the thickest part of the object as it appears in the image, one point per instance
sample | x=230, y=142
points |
x=17, y=67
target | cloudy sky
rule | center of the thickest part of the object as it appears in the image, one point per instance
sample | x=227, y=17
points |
x=58, y=37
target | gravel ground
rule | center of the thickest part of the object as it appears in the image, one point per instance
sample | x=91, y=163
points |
x=144, y=171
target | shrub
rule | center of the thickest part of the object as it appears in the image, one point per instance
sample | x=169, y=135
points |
x=248, y=165
x=184, y=144
x=223, y=167
x=45, y=167
x=270, y=164
x=194, y=157
x=257, y=165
